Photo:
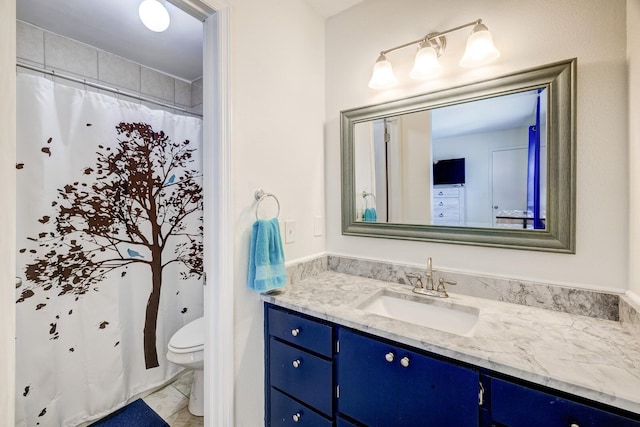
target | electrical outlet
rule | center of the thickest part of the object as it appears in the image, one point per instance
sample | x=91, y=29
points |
x=289, y=231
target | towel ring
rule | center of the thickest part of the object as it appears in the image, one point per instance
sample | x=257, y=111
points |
x=364, y=196
x=260, y=196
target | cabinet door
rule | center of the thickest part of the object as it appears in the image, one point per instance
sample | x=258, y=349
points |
x=436, y=393
x=384, y=385
x=368, y=382
x=515, y=405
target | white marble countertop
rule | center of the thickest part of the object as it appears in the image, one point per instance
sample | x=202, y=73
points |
x=588, y=357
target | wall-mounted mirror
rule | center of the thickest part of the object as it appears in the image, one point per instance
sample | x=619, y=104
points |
x=490, y=163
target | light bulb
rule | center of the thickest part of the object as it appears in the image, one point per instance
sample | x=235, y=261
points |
x=154, y=15
x=426, y=64
x=382, y=77
x=480, y=49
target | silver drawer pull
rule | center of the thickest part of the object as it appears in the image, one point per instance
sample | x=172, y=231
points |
x=574, y=425
x=389, y=357
x=440, y=204
x=296, y=363
x=296, y=417
x=405, y=361
x=440, y=193
x=295, y=332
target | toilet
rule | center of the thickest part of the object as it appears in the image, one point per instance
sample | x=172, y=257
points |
x=186, y=348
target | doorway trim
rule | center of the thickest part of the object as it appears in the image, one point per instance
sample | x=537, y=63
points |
x=218, y=221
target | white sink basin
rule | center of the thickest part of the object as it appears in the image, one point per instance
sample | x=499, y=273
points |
x=423, y=311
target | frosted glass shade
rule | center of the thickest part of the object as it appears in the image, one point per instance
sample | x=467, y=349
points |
x=154, y=15
x=382, y=76
x=426, y=64
x=480, y=48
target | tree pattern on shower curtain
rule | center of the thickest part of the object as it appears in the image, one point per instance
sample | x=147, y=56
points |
x=130, y=206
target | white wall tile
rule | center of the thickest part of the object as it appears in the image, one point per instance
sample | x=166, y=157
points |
x=197, y=110
x=29, y=43
x=196, y=92
x=61, y=53
x=183, y=93
x=157, y=84
x=117, y=71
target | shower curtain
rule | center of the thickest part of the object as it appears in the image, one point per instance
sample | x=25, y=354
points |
x=109, y=241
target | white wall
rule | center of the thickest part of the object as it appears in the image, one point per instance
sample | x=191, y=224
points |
x=364, y=168
x=277, y=145
x=633, y=56
x=477, y=149
x=528, y=34
x=7, y=208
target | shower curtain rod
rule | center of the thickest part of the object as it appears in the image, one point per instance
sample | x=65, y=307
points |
x=105, y=88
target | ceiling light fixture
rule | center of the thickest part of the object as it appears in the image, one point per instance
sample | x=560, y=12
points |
x=154, y=15
x=480, y=51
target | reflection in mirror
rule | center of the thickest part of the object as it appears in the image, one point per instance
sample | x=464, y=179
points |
x=478, y=164
x=491, y=163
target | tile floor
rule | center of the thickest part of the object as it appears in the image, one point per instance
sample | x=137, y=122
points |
x=171, y=403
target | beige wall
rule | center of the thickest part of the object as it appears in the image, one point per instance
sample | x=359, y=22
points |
x=528, y=34
x=633, y=57
x=416, y=171
x=277, y=143
x=7, y=208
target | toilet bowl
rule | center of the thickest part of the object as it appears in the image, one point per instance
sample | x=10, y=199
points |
x=186, y=348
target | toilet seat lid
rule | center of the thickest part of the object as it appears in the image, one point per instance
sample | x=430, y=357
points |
x=190, y=337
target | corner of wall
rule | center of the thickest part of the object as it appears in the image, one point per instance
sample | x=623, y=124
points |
x=633, y=71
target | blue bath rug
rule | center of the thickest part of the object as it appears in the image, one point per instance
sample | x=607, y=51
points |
x=135, y=414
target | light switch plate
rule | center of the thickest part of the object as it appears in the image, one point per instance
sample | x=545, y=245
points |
x=289, y=231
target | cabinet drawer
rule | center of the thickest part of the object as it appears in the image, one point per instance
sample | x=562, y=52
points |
x=514, y=405
x=446, y=216
x=287, y=412
x=307, y=377
x=312, y=335
x=446, y=192
x=446, y=203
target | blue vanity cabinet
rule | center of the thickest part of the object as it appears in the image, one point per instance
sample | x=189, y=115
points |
x=387, y=385
x=300, y=389
x=515, y=405
x=319, y=374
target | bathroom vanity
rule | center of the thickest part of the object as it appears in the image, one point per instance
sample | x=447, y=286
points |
x=331, y=360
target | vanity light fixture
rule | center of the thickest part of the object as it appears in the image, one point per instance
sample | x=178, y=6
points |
x=154, y=15
x=382, y=77
x=480, y=51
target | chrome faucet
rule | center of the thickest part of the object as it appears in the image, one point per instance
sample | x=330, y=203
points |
x=428, y=288
x=429, y=285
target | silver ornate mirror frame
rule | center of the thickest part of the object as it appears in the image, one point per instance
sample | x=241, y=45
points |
x=558, y=236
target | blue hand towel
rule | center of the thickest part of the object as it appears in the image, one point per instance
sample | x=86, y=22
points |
x=266, y=257
x=370, y=215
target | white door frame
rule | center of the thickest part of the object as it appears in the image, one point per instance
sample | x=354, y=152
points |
x=218, y=220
